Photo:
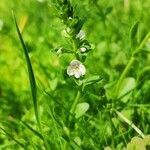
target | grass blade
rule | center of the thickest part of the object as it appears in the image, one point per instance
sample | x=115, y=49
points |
x=31, y=75
x=8, y=134
x=33, y=130
x=32, y=83
x=120, y=115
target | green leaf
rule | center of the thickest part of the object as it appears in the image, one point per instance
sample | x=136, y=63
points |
x=72, y=22
x=32, y=130
x=136, y=144
x=32, y=82
x=54, y=83
x=107, y=148
x=81, y=109
x=124, y=91
x=146, y=140
x=78, y=141
x=30, y=73
x=133, y=35
x=139, y=143
x=93, y=79
x=79, y=25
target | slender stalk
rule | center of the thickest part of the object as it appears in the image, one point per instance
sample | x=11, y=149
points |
x=113, y=128
x=142, y=43
x=128, y=66
x=75, y=102
x=56, y=129
x=74, y=45
x=124, y=73
x=130, y=124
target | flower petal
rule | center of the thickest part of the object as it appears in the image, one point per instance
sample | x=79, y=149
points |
x=74, y=62
x=82, y=69
x=76, y=69
x=77, y=74
x=70, y=72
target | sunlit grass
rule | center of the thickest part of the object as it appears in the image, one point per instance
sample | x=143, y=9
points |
x=44, y=106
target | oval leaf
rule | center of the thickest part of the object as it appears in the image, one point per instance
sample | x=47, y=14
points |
x=81, y=109
x=93, y=79
x=127, y=85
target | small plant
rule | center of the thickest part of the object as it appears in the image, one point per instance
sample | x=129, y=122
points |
x=88, y=69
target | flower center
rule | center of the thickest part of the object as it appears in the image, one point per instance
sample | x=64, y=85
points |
x=75, y=67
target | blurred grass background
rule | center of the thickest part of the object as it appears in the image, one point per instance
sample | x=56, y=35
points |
x=107, y=26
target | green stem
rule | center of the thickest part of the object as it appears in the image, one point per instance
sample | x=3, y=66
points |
x=75, y=102
x=143, y=42
x=121, y=116
x=113, y=128
x=55, y=128
x=74, y=46
x=124, y=73
x=131, y=61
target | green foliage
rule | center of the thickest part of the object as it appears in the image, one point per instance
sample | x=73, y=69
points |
x=126, y=87
x=101, y=101
x=139, y=144
x=81, y=109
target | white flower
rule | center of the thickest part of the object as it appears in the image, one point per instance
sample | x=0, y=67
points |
x=82, y=49
x=76, y=68
x=80, y=35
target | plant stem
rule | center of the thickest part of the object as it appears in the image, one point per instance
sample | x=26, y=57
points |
x=128, y=66
x=113, y=128
x=143, y=42
x=75, y=102
x=130, y=123
x=74, y=45
x=55, y=127
x=125, y=71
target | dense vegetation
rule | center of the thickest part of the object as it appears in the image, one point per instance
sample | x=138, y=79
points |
x=74, y=74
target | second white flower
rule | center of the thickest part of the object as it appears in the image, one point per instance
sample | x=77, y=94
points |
x=76, y=68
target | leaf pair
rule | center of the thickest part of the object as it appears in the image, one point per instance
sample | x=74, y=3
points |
x=137, y=39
